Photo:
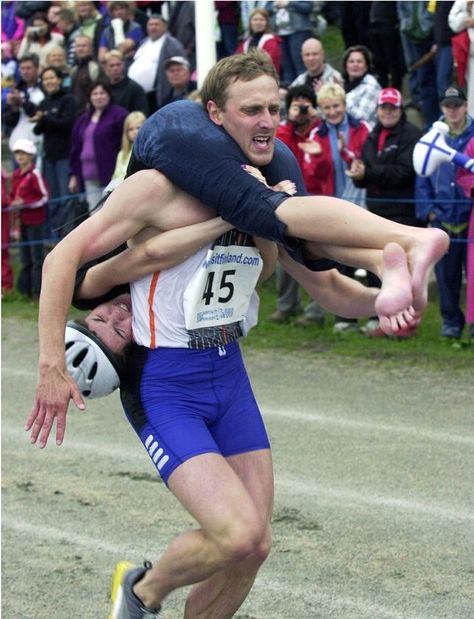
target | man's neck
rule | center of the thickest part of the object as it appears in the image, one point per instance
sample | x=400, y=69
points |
x=457, y=128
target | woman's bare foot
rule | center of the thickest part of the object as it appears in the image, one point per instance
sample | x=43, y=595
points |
x=396, y=291
x=429, y=247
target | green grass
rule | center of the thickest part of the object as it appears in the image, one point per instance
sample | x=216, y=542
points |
x=425, y=348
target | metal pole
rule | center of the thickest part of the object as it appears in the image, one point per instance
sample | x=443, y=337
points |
x=205, y=38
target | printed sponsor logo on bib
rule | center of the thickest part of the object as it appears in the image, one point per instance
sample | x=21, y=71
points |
x=219, y=292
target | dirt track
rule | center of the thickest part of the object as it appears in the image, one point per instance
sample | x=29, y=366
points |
x=374, y=513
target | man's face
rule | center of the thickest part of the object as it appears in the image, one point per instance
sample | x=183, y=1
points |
x=83, y=48
x=28, y=72
x=112, y=323
x=251, y=116
x=388, y=115
x=121, y=12
x=177, y=75
x=155, y=28
x=312, y=54
x=455, y=114
x=114, y=69
x=296, y=112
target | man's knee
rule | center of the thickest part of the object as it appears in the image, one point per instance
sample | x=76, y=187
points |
x=247, y=542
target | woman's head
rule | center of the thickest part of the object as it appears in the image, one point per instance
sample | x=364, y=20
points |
x=51, y=80
x=356, y=62
x=56, y=57
x=131, y=126
x=332, y=103
x=259, y=21
x=99, y=94
x=40, y=21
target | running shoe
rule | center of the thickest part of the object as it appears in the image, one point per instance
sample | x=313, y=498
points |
x=125, y=604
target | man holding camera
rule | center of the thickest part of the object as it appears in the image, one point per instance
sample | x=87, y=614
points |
x=22, y=102
x=301, y=118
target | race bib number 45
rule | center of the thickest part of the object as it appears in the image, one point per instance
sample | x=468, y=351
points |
x=220, y=290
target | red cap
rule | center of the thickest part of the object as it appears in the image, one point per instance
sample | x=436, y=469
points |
x=392, y=96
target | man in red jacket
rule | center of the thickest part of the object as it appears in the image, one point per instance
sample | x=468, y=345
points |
x=301, y=118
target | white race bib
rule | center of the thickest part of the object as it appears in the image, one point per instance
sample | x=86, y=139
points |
x=220, y=290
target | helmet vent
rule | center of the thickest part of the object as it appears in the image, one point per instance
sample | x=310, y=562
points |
x=79, y=358
x=93, y=372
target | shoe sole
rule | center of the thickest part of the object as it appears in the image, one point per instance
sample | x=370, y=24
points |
x=116, y=591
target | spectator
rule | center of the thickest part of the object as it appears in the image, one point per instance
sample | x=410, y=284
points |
x=84, y=71
x=54, y=120
x=461, y=19
x=123, y=33
x=53, y=16
x=29, y=194
x=13, y=27
x=131, y=126
x=178, y=74
x=442, y=35
x=332, y=147
x=39, y=39
x=318, y=71
x=95, y=143
x=416, y=28
x=291, y=22
x=302, y=117
x=148, y=66
x=355, y=22
x=182, y=26
x=22, y=102
x=465, y=180
x=389, y=65
x=9, y=68
x=228, y=19
x=57, y=59
x=385, y=170
x=7, y=271
x=67, y=26
x=442, y=204
x=362, y=89
x=125, y=91
x=90, y=23
x=260, y=35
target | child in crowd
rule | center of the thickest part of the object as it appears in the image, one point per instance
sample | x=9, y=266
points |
x=30, y=195
x=131, y=126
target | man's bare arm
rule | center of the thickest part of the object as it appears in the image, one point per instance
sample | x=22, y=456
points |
x=144, y=200
x=161, y=251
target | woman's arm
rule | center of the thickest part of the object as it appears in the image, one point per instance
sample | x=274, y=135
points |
x=162, y=251
x=269, y=253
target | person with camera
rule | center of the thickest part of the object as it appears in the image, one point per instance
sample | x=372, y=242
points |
x=39, y=39
x=301, y=118
x=21, y=103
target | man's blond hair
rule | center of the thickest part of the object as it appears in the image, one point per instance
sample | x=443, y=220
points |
x=244, y=67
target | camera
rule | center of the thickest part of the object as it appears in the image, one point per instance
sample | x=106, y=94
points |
x=304, y=109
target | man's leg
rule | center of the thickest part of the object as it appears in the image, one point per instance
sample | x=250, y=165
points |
x=231, y=530
x=223, y=593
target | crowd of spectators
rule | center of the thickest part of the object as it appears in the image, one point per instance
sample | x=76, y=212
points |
x=79, y=78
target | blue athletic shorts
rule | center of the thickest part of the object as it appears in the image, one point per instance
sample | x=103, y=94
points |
x=203, y=160
x=183, y=403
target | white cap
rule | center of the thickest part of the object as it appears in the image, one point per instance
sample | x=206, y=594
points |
x=176, y=60
x=26, y=146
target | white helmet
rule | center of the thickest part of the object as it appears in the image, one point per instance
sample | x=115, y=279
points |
x=95, y=369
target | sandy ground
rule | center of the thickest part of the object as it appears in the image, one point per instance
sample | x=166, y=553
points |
x=374, y=505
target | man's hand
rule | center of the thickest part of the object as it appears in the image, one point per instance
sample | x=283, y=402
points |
x=55, y=389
